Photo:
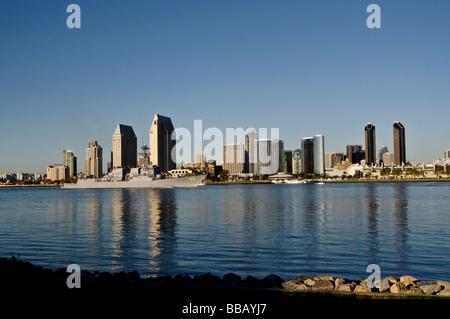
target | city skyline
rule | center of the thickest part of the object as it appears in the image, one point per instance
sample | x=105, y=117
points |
x=231, y=64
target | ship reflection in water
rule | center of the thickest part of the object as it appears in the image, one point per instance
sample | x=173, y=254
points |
x=332, y=229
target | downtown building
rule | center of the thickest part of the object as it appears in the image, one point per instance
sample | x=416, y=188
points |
x=250, y=152
x=70, y=160
x=162, y=146
x=93, y=164
x=313, y=155
x=399, y=144
x=369, y=134
x=124, y=147
x=234, y=158
x=58, y=172
x=270, y=156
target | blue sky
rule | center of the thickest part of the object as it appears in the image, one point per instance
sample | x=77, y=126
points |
x=305, y=67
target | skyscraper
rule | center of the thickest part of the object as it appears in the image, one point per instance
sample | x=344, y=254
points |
x=288, y=161
x=270, y=156
x=234, y=158
x=308, y=155
x=124, y=147
x=70, y=160
x=296, y=161
x=161, y=143
x=383, y=150
x=93, y=165
x=350, y=150
x=399, y=144
x=250, y=152
x=369, y=131
x=319, y=155
x=447, y=154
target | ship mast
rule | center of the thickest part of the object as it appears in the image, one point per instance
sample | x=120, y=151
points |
x=146, y=154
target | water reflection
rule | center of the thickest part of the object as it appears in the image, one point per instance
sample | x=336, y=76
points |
x=401, y=216
x=162, y=237
x=372, y=222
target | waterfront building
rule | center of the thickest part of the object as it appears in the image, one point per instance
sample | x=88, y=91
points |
x=399, y=143
x=270, y=156
x=234, y=158
x=250, y=152
x=124, y=147
x=350, y=150
x=199, y=160
x=287, y=161
x=162, y=146
x=319, y=158
x=70, y=160
x=389, y=159
x=333, y=159
x=307, y=155
x=296, y=161
x=57, y=172
x=93, y=165
x=383, y=150
x=369, y=132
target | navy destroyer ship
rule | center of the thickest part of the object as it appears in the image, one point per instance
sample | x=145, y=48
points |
x=146, y=175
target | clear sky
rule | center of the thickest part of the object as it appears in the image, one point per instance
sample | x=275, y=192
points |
x=305, y=67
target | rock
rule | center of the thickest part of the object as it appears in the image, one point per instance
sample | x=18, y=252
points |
x=444, y=284
x=362, y=288
x=385, y=285
x=346, y=287
x=324, y=278
x=301, y=279
x=232, y=280
x=392, y=279
x=323, y=285
x=250, y=281
x=413, y=291
x=430, y=289
x=444, y=292
x=426, y=283
x=398, y=288
x=408, y=280
x=338, y=282
x=272, y=281
x=309, y=282
x=291, y=285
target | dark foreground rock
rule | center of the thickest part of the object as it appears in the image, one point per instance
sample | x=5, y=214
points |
x=128, y=291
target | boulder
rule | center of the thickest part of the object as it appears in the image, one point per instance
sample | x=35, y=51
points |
x=329, y=278
x=309, y=282
x=272, y=281
x=398, y=288
x=346, y=287
x=430, y=289
x=339, y=282
x=408, y=280
x=231, y=279
x=323, y=285
x=444, y=292
x=362, y=287
x=385, y=285
x=413, y=291
x=291, y=285
x=444, y=284
x=301, y=279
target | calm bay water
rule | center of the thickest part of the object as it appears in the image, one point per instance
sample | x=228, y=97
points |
x=307, y=229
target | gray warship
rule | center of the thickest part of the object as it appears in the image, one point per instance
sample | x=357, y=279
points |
x=146, y=175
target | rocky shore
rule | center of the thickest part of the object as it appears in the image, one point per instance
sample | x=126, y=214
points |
x=24, y=274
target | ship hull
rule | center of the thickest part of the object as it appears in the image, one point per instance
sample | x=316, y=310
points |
x=191, y=181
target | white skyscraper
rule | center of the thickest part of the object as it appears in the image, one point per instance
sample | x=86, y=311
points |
x=319, y=155
x=270, y=155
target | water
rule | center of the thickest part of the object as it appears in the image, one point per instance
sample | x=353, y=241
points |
x=307, y=229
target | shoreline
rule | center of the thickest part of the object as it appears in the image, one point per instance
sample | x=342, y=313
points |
x=19, y=274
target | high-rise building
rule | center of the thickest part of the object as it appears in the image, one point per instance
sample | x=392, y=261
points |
x=250, y=152
x=399, y=143
x=369, y=132
x=70, y=160
x=124, y=147
x=319, y=155
x=93, y=165
x=234, y=158
x=162, y=146
x=383, y=150
x=388, y=159
x=296, y=161
x=350, y=150
x=57, y=172
x=288, y=161
x=333, y=159
x=308, y=155
x=270, y=156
